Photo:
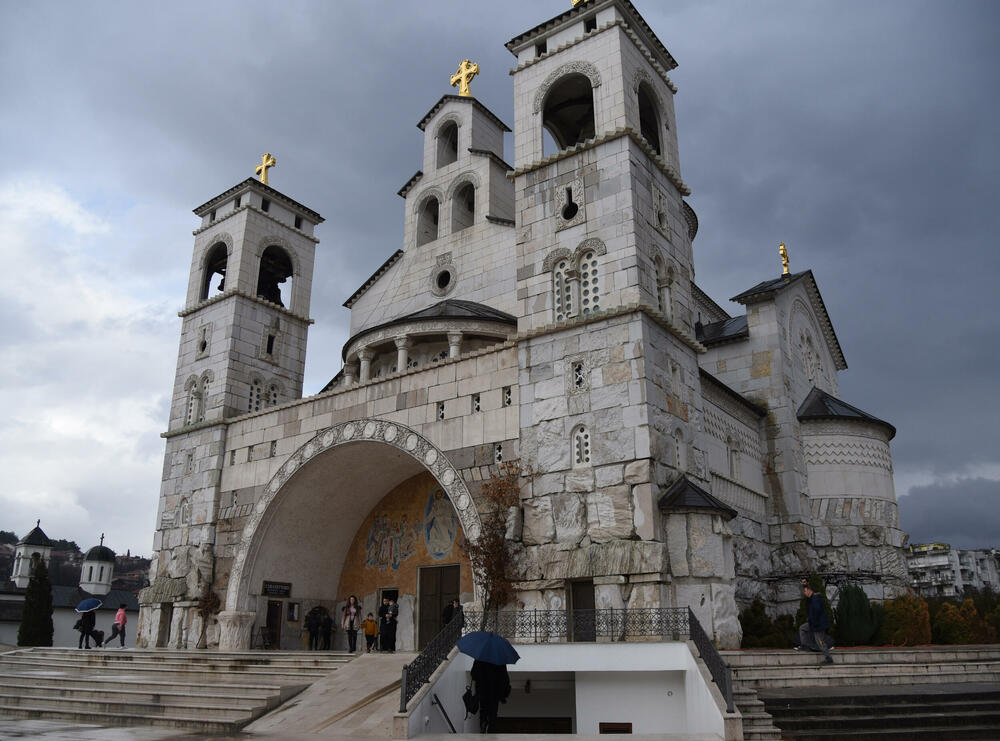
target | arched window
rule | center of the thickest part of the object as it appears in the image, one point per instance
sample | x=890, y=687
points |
x=184, y=513
x=568, y=115
x=581, y=446
x=215, y=264
x=733, y=452
x=272, y=395
x=427, y=222
x=590, y=294
x=664, y=288
x=680, y=450
x=90, y=573
x=206, y=384
x=275, y=269
x=463, y=207
x=576, y=287
x=447, y=144
x=193, y=405
x=256, y=399
x=561, y=291
x=100, y=574
x=649, y=120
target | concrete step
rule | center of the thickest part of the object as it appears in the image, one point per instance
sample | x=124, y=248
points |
x=103, y=658
x=173, y=697
x=114, y=706
x=205, y=725
x=923, y=654
x=943, y=732
x=177, y=673
x=230, y=690
x=761, y=735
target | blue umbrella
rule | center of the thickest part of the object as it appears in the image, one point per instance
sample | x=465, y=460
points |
x=489, y=647
x=89, y=605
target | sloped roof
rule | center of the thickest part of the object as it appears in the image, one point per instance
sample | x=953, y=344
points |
x=36, y=537
x=684, y=494
x=821, y=405
x=732, y=393
x=461, y=98
x=768, y=288
x=726, y=330
x=267, y=190
x=100, y=553
x=448, y=309
x=72, y=596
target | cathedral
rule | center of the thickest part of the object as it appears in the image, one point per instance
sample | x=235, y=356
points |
x=544, y=311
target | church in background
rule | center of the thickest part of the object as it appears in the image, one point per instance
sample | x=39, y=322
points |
x=543, y=310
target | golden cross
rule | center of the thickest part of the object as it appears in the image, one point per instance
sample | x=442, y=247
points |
x=266, y=161
x=466, y=71
x=578, y=2
x=784, y=258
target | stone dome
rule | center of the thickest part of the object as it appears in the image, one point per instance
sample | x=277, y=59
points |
x=100, y=553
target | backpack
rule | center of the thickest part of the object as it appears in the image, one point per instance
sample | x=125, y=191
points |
x=471, y=702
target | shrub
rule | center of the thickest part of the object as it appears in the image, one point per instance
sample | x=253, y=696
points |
x=858, y=621
x=907, y=622
x=978, y=629
x=949, y=626
x=759, y=631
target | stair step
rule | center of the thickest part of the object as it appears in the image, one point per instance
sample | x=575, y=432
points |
x=873, y=722
x=105, y=685
x=942, y=732
x=122, y=707
x=173, y=698
x=131, y=719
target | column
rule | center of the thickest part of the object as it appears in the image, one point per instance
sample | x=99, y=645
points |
x=454, y=344
x=349, y=375
x=403, y=345
x=365, y=359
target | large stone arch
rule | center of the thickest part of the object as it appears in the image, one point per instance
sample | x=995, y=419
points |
x=399, y=440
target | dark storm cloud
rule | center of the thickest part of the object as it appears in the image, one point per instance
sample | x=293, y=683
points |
x=861, y=134
x=962, y=513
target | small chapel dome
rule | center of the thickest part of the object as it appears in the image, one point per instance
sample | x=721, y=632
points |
x=36, y=537
x=100, y=553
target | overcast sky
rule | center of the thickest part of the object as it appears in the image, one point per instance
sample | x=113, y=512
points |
x=864, y=135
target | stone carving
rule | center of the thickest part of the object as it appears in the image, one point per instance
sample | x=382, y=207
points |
x=826, y=452
x=234, y=630
x=582, y=68
x=554, y=257
x=199, y=573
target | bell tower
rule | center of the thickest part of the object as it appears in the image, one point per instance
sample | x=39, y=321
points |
x=246, y=317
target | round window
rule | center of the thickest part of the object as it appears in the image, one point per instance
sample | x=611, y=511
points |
x=443, y=279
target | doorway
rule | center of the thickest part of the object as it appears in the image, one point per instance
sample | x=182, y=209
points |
x=273, y=623
x=583, y=616
x=437, y=586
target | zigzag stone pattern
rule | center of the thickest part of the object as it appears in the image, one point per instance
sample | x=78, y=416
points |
x=826, y=452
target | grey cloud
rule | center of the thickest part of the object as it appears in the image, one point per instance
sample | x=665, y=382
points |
x=963, y=513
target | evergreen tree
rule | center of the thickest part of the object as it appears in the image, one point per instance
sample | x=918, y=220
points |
x=36, y=621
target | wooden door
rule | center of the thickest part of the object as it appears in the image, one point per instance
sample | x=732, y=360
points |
x=274, y=622
x=582, y=611
x=438, y=586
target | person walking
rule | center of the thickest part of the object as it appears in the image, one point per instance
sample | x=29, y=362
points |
x=326, y=630
x=86, y=622
x=813, y=633
x=451, y=611
x=312, y=625
x=118, y=627
x=371, y=632
x=351, y=622
x=492, y=688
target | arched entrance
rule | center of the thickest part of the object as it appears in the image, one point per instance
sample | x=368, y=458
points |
x=302, y=528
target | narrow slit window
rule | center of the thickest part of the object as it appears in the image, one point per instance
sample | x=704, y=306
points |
x=590, y=24
x=265, y=205
x=440, y=412
x=498, y=453
x=298, y=222
x=475, y=403
x=508, y=396
x=579, y=379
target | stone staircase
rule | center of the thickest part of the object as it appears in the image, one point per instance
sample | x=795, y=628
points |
x=206, y=691
x=866, y=691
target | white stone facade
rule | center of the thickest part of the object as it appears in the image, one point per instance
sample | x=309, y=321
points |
x=545, y=312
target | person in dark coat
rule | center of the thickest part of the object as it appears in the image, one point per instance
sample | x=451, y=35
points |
x=391, y=618
x=453, y=610
x=326, y=630
x=492, y=688
x=382, y=634
x=86, y=625
x=313, y=621
x=813, y=633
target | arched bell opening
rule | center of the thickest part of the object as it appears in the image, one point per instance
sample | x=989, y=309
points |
x=568, y=115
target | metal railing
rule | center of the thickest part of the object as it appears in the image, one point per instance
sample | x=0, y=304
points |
x=722, y=675
x=418, y=672
x=575, y=626
x=571, y=626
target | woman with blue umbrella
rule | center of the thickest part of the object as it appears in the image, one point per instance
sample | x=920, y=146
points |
x=492, y=653
x=87, y=621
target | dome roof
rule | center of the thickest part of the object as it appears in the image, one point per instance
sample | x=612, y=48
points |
x=100, y=553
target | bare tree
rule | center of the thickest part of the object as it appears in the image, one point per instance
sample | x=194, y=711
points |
x=492, y=554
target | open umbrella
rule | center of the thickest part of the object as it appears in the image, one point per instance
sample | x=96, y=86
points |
x=489, y=647
x=89, y=605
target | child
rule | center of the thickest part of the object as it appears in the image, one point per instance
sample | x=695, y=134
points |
x=118, y=627
x=371, y=632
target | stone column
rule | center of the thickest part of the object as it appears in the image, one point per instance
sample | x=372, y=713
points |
x=454, y=344
x=349, y=375
x=234, y=630
x=365, y=359
x=403, y=345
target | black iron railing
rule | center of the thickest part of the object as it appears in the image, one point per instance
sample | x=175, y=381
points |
x=574, y=626
x=571, y=626
x=418, y=671
x=722, y=675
